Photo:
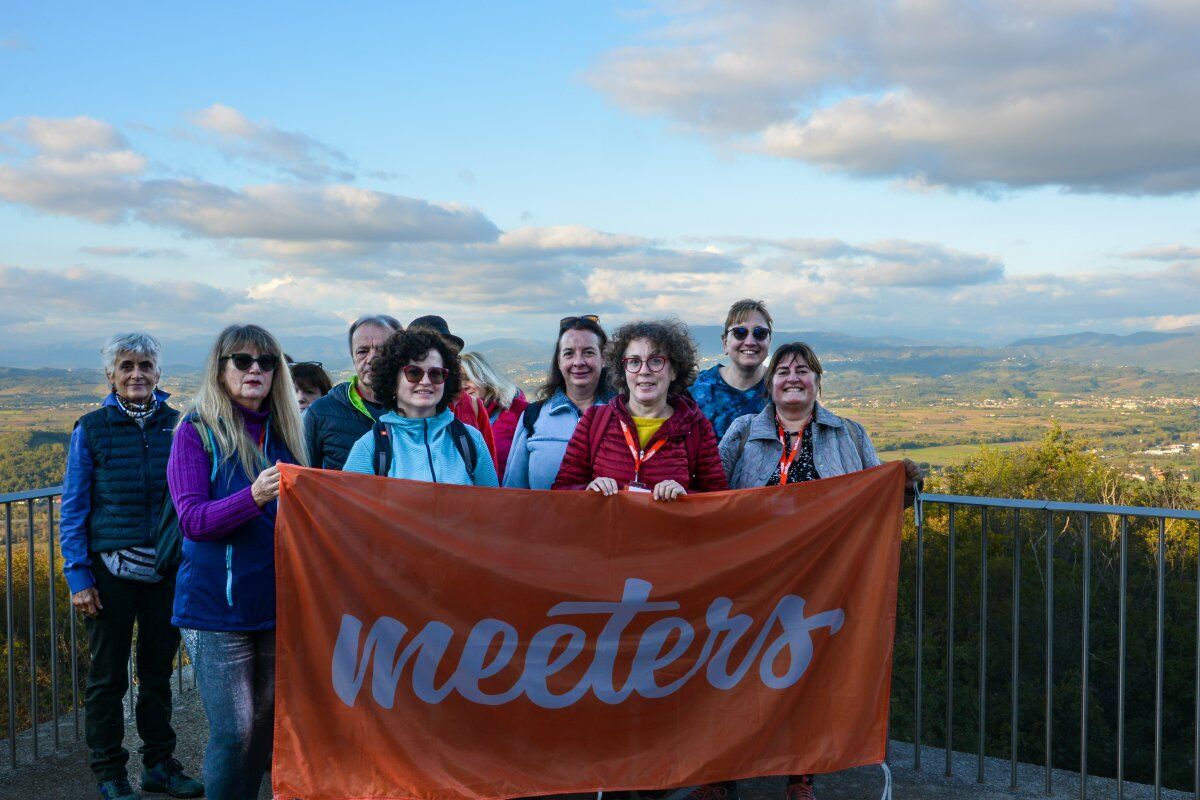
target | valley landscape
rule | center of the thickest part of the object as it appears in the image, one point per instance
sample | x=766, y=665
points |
x=1134, y=399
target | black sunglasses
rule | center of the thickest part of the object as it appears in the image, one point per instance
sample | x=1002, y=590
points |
x=567, y=322
x=740, y=332
x=267, y=362
x=316, y=364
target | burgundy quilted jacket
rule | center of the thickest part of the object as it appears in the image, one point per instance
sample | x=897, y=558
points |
x=599, y=450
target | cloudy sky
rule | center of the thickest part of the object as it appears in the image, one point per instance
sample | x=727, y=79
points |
x=936, y=170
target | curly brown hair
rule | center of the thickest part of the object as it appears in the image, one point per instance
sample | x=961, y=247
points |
x=670, y=337
x=403, y=347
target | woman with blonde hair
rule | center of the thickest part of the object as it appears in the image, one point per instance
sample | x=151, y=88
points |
x=224, y=481
x=500, y=396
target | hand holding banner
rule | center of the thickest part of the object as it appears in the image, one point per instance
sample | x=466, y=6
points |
x=451, y=642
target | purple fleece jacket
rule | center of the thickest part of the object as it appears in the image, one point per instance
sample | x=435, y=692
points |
x=202, y=519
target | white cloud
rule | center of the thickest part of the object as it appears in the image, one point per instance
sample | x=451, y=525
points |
x=295, y=153
x=1091, y=96
x=84, y=168
x=59, y=303
x=566, y=239
x=126, y=251
x=67, y=137
x=1170, y=252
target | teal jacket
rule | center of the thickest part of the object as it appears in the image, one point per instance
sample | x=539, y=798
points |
x=423, y=450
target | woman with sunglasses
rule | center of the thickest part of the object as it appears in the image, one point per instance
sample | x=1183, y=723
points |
x=417, y=375
x=727, y=391
x=224, y=481
x=575, y=381
x=652, y=437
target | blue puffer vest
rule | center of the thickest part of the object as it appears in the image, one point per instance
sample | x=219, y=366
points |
x=229, y=584
x=129, y=481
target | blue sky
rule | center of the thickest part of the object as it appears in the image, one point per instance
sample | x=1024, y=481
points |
x=936, y=170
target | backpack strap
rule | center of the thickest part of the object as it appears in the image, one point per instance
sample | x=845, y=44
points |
x=530, y=417
x=465, y=445
x=209, y=442
x=381, y=455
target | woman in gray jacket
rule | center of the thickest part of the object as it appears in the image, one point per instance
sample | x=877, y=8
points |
x=795, y=439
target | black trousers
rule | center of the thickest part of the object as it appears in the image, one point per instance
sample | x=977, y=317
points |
x=110, y=638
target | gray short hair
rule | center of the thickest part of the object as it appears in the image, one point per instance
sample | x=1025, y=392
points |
x=382, y=320
x=143, y=344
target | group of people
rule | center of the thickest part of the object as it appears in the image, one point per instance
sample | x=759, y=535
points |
x=630, y=414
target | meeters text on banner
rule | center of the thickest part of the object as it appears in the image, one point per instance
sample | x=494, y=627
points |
x=450, y=642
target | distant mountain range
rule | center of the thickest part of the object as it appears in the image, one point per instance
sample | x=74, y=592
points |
x=1176, y=351
x=1092, y=339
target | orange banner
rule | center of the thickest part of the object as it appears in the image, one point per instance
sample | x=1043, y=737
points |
x=451, y=642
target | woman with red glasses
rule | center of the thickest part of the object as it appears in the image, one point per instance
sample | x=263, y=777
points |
x=651, y=437
x=417, y=375
x=725, y=392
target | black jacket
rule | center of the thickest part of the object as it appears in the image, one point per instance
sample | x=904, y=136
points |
x=332, y=425
x=129, y=480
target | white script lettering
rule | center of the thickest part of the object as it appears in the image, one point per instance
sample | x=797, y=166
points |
x=382, y=652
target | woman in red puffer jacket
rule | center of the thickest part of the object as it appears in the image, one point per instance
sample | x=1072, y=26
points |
x=652, y=437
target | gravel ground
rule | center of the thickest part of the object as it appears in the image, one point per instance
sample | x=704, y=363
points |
x=64, y=774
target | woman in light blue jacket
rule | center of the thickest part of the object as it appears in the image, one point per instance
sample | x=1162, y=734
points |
x=575, y=382
x=418, y=376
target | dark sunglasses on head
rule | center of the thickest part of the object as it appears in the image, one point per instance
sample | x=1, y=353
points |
x=316, y=364
x=567, y=322
x=740, y=332
x=267, y=363
x=413, y=374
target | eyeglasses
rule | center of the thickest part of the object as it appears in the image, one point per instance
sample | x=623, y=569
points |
x=316, y=364
x=567, y=322
x=655, y=363
x=242, y=361
x=413, y=374
x=740, y=332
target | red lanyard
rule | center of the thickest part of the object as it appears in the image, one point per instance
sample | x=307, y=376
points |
x=639, y=456
x=785, y=462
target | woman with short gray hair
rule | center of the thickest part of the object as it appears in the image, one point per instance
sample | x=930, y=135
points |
x=113, y=491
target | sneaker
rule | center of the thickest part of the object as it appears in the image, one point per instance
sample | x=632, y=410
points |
x=118, y=789
x=801, y=789
x=168, y=777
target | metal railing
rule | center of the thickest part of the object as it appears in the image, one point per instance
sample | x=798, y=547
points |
x=30, y=529
x=30, y=523
x=1051, y=521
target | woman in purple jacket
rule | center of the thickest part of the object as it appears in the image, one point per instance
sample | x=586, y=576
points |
x=224, y=482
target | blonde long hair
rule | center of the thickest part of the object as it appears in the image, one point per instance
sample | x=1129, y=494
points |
x=214, y=407
x=496, y=387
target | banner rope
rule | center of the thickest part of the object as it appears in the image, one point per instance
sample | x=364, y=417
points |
x=887, y=781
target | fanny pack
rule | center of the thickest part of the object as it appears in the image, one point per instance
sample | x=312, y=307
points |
x=132, y=563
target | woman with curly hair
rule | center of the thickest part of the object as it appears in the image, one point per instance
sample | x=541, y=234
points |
x=417, y=376
x=652, y=437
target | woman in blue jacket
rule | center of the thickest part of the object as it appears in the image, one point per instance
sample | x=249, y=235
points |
x=576, y=381
x=114, y=486
x=224, y=482
x=418, y=376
